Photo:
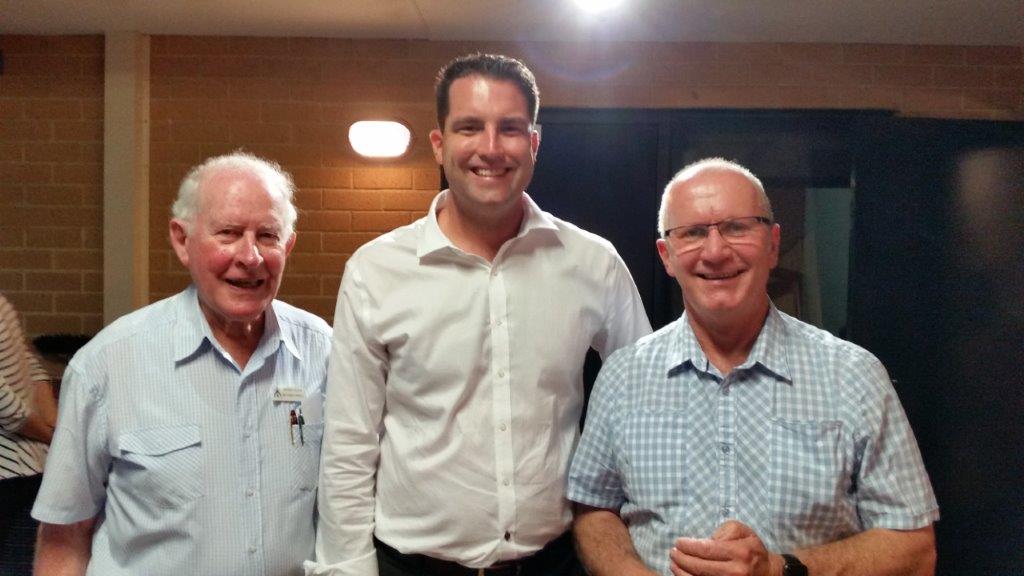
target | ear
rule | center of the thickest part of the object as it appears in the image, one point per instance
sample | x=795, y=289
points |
x=436, y=142
x=666, y=258
x=534, y=141
x=290, y=243
x=179, y=238
x=775, y=242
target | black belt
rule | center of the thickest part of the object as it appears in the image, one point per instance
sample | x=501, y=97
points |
x=525, y=566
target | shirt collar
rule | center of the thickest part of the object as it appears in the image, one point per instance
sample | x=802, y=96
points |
x=769, y=349
x=684, y=348
x=433, y=239
x=192, y=333
x=274, y=329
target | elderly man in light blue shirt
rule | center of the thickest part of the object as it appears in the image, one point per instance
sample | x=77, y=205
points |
x=189, y=431
x=740, y=440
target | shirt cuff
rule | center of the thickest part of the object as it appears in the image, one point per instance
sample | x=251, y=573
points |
x=362, y=566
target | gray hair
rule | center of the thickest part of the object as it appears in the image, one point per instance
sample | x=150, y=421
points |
x=712, y=164
x=270, y=173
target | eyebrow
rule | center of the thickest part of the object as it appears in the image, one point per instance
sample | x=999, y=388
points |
x=473, y=119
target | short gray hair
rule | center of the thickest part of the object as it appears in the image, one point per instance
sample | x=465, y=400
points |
x=270, y=173
x=712, y=164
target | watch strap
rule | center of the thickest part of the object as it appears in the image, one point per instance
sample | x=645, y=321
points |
x=793, y=566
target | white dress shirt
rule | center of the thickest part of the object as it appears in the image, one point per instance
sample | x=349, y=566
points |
x=455, y=389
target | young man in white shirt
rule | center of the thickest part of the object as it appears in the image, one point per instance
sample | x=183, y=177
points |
x=456, y=376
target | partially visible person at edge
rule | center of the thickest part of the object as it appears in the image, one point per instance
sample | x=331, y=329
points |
x=28, y=413
x=189, y=433
x=738, y=439
x=455, y=385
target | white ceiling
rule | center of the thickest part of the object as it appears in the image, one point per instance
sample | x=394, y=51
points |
x=969, y=22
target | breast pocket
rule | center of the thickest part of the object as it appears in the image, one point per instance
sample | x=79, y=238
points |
x=811, y=479
x=162, y=465
x=306, y=457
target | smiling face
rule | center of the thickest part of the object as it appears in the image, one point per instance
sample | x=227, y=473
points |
x=234, y=248
x=488, y=147
x=723, y=284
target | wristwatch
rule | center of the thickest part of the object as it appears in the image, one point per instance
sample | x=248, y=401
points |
x=793, y=566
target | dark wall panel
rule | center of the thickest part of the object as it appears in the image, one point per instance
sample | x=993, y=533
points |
x=937, y=292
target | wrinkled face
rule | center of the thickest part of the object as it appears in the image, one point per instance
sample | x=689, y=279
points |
x=721, y=282
x=235, y=249
x=488, y=145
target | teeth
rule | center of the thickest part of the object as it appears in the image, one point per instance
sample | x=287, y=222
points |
x=245, y=283
x=486, y=172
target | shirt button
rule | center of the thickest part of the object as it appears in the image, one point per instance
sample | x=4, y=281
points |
x=725, y=512
x=508, y=535
x=506, y=482
x=725, y=448
x=503, y=427
x=250, y=492
x=498, y=322
x=501, y=373
x=252, y=549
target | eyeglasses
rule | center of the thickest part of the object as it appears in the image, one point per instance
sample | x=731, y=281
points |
x=732, y=230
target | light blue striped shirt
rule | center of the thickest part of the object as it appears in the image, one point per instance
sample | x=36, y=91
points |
x=187, y=461
x=805, y=442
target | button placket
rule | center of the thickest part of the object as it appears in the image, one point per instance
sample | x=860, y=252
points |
x=500, y=338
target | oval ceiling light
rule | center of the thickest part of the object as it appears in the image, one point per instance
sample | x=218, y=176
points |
x=379, y=138
x=597, y=6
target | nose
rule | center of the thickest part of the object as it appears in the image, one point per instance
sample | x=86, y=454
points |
x=248, y=252
x=490, y=143
x=715, y=246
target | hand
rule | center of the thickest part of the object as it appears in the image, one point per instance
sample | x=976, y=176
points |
x=733, y=550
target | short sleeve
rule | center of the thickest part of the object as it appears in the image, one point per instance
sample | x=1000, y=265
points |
x=74, y=482
x=893, y=488
x=594, y=476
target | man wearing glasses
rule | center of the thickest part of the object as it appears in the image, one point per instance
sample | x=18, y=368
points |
x=739, y=440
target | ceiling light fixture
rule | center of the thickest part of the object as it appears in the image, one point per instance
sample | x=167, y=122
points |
x=379, y=138
x=598, y=6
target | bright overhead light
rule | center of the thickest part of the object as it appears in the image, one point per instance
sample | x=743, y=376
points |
x=597, y=6
x=379, y=138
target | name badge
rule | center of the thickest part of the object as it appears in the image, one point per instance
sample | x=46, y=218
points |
x=289, y=395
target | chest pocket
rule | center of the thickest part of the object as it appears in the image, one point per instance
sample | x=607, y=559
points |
x=162, y=466
x=811, y=482
x=306, y=457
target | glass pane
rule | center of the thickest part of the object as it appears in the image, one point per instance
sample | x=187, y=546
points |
x=812, y=277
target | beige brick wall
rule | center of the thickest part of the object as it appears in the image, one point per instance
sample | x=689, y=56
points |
x=51, y=181
x=292, y=99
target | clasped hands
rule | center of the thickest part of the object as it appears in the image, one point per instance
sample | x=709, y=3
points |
x=733, y=550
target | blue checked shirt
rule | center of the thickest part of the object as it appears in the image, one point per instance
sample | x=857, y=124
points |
x=186, y=461
x=805, y=442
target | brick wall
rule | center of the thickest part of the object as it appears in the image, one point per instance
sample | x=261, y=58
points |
x=51, y=181
x=292, y=99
